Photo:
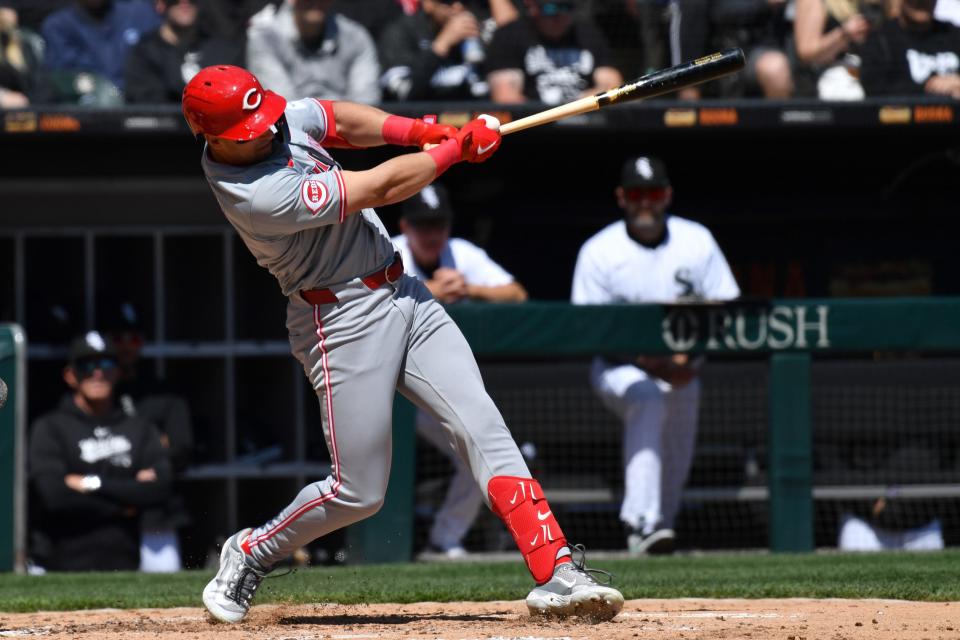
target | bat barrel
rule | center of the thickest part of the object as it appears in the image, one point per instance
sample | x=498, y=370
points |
x=677, y=77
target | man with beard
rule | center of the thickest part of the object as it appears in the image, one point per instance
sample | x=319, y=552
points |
x=650, y=256
x=162, y=64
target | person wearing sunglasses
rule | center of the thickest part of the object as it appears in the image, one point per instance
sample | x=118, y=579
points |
x=650, y=256
x=93, y=470
x=553, y=55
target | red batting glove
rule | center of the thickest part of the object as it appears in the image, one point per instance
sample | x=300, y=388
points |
x=477, y=142
x=415, y=133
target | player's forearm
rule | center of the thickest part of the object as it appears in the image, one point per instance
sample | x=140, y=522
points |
x=389, y=182
x=359, y=124
x=513, y=292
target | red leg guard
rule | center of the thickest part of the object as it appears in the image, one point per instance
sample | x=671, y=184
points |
x=520, y=503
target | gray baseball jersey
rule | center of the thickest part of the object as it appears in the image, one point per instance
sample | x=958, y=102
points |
x=290, y=209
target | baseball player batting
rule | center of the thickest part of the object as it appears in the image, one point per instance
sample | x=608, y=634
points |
x=361, y=327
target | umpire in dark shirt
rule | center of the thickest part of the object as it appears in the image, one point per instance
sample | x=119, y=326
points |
x=162, y=63
x=93, y=469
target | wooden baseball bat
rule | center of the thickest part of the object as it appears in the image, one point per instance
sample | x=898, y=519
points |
x=653, y=84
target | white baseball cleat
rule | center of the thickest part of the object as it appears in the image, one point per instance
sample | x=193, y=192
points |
x=573, y=591
x=227, y=597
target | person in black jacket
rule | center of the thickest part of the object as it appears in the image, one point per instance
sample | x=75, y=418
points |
x=163, y=62
x=554, y=54
x=437, y=52
x=93, y=470
x=912, y=54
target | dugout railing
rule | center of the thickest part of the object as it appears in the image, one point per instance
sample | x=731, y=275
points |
x=787, y=334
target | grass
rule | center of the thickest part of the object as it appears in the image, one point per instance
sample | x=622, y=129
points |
x=918, y=576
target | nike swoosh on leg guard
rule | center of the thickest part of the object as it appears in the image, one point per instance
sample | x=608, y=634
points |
x=520, y=503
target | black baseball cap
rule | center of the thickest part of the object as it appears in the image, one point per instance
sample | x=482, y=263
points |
x=429, y=207
x=90, y=345
x=644, y=171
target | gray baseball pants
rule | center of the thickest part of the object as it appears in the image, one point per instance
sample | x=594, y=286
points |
x=356, y=353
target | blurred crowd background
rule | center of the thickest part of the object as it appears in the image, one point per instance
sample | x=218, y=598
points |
x=112, y=52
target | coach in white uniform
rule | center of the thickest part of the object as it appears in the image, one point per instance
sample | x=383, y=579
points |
x=647, y=257
x=454, y=270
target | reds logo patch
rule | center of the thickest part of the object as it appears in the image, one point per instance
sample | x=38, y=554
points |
x=314, y=194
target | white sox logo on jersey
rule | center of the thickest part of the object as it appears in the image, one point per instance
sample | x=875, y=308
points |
x=315, y=195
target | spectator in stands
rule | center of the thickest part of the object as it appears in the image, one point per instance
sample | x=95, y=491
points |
x=454, y=270
x=826, y=34
x=142, y=395
x=21, y=52
x=93, y=469
x=436, y=53
x=88, y=43
x=550, y=55
x=163, y=62
x=912, y=54
x=651, y=256
x=759, y=27
x=302, y=49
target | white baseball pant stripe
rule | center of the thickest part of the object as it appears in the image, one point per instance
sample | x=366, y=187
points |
x=357, y=353
x=660, y=430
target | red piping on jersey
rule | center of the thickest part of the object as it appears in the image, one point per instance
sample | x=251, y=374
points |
x=335, y=490
x=343, y=195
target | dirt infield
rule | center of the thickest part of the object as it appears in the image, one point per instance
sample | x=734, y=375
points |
x=795, y=619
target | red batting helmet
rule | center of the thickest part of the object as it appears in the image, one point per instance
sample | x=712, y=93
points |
x=228, y=102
